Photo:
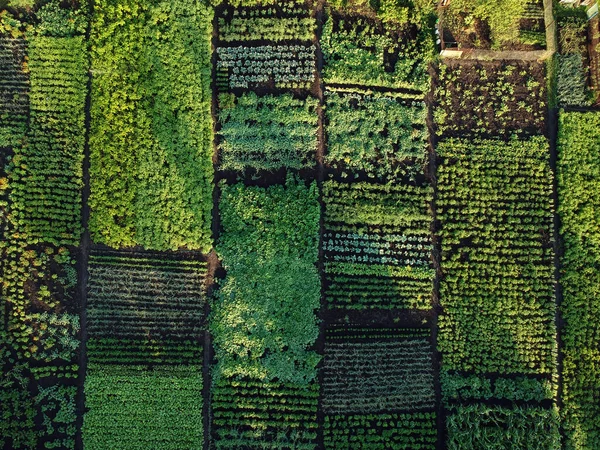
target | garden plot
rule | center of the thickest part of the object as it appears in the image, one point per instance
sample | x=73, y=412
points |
x=267, y=133
x=381, y=135
x=377, y=246
x=490, y=99
x=375, y=379
x=144, y=304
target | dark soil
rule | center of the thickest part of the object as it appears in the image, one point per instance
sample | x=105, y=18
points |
x=463, y=113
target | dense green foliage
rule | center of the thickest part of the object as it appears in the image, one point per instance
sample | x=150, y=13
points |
x=579, y=200
x=47, y=177
x=359, y=52
x=137, y=408
x=497, y=291
x=267, y=132
x=490, y=99
x=151, y=138
x=262, y=319
x=477, y=427
x=459, y=388
x=374, y=133
x=377, y=246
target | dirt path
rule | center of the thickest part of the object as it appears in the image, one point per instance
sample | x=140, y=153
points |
x=493, y=55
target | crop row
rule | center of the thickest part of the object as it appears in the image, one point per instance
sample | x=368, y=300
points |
x=14, y=80
x=377, y=246
x=579, y=197
x=146, y=302
x=267, y=132
x=374, y=133
x=273, y=29
x=394, y=431
x=267, y=415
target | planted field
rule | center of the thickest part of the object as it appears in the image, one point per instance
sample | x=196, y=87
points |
x=145, y=320
x=139, y=408
x=497, y=289
x=140, y=304
x=14, y=101
x=249, y=413
x=490, y=99
x=497, y=331
x=579, y=197
x=267, y=133
x=375, y=379
x=283, y=22
x=298, y=225
x=263, y=318
x=480, y=426
x=46, y=193
x=151, y=135
x=374, y=133
x=377, y=246
x=366, y=53
x=276, y=66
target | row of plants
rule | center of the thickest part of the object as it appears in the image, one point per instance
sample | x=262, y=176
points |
x=14, y=100
x=578, y=172
x=489, y=99
x=250, y=413
x=377, y=134
x=151, y=129
x=377, y=245
x=384, y=431
x=137, y=407
x=267, y=133
x=263, y=318
x=47, y=170
x=369, y=53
